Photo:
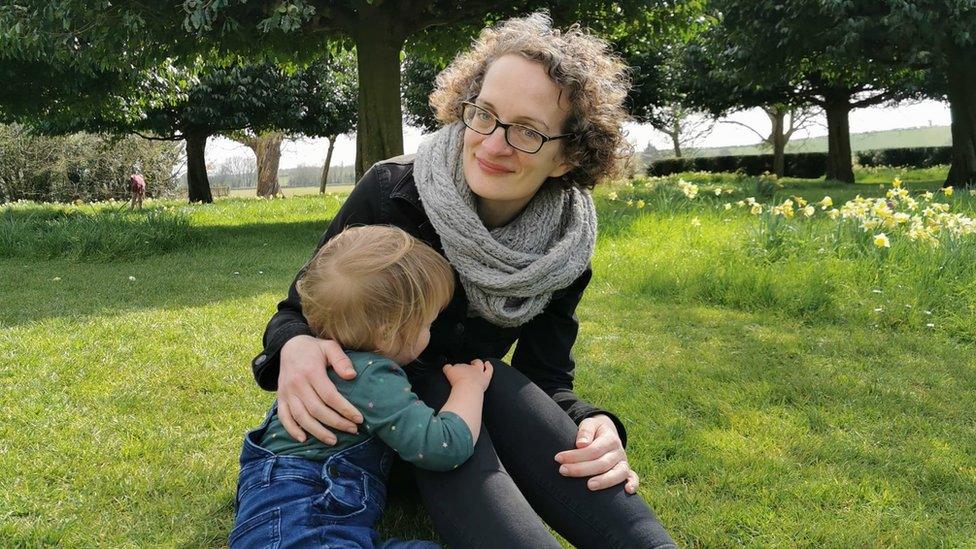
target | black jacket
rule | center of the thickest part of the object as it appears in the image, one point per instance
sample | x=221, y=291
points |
x=387, y=195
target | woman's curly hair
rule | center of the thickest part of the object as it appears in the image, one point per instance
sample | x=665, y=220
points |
x=582, y=65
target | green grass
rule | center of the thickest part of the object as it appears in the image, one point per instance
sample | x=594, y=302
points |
x=768, y=403
x=293, y=191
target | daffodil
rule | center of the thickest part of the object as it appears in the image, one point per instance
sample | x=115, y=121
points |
x=756, y=209
x=896, y=183
x=947, y=190
x=612, y=195
x=834, y=213
x=870, y=224
x=690, y=190
x=728, y=206
x=927, y=195
x=825, y=203
x=695, y=222
x=881, y=240
x=808, y=210
x=640, y=203
x=718, y=191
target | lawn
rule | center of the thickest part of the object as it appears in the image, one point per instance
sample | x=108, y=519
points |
x=782, y=385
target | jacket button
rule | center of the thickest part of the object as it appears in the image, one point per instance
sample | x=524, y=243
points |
x=459, y=328
x=261, y=359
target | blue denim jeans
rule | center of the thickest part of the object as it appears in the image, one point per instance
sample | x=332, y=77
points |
x=287, y=501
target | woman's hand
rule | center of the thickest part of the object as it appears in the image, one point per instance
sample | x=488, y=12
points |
x=599, y=454
x=307, y=399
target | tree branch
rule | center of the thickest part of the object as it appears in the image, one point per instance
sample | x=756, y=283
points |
x=874, y=100
x=746, y=126
x=174, y=137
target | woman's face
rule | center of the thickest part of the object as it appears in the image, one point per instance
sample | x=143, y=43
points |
x=515, y=89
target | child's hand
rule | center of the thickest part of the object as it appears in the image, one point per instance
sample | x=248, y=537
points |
x=478, y=373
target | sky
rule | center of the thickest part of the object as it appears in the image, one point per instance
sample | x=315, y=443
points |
x=906, y=115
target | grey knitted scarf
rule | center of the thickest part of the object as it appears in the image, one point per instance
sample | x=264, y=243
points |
x=509, y=273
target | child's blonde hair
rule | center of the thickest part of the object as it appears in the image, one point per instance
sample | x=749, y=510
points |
x=374, y=288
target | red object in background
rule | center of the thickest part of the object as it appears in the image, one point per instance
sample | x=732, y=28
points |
x=137, y=183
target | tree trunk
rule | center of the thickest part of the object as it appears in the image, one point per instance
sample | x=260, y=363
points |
x=328, y=162
x=267, y=149
x=839, y=163
x=197, y=183
x=778, y=137
x=675, y=135
x=962, y=105
x=379, y=134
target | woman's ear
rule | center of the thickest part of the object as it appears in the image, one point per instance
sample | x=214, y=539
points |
x=561, y=169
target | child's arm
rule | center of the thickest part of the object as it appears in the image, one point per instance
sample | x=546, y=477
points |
x=396, y=415
x=468, y=385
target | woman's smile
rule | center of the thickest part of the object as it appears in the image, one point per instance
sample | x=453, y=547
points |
x=490, y=168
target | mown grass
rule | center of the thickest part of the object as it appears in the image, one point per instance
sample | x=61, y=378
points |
x=768, y=402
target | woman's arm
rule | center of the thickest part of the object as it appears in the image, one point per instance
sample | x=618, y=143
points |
x=294, y=362
x=360, y=208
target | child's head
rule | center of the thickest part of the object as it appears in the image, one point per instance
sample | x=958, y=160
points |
x=376, y=288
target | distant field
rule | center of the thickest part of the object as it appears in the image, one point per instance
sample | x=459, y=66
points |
x=931, y=136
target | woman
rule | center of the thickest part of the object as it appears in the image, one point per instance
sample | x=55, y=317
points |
x=532, y=120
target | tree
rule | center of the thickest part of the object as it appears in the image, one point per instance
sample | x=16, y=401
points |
x=378, y=30
x=939, y=37
x=799, y=53
x=331, y=103
x=779, y=133
x=266, y=147
x=142, y=34
x=419, y=75
x=683, y=126
x=208, y=99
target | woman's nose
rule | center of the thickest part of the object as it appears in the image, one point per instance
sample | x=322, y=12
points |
x=496, y=144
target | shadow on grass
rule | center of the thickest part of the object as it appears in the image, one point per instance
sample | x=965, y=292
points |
x=228, y=262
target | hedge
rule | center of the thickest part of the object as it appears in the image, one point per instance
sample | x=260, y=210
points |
x=909, y=157
x=806, y=165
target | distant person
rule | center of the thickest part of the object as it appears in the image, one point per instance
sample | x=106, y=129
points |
x=137, y=188
x=374, y=290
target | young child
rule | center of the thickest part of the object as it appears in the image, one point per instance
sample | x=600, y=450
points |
x=375, y=290
x=137, y=188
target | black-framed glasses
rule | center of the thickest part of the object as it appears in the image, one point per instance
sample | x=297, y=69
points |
x=518, y=136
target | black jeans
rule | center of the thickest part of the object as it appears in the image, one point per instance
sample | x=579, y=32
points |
x=496, y=498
